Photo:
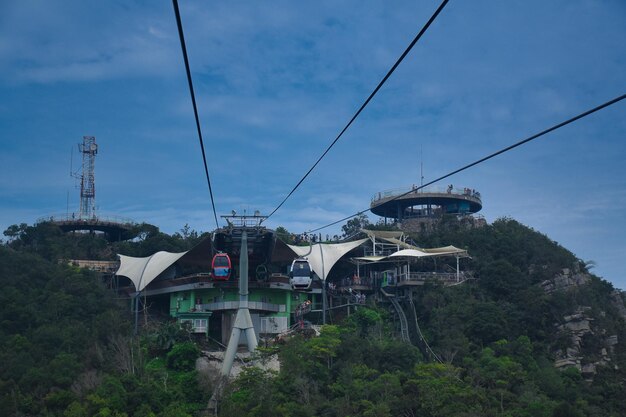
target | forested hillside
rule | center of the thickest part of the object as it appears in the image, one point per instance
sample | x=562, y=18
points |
x=499, y=338
x=534, y=334
x=66, y=343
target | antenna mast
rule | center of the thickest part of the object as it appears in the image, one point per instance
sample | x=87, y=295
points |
x=89, y=149
x=421, y=166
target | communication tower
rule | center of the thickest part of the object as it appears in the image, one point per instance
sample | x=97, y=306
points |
x=89, y=149
x=113, y=227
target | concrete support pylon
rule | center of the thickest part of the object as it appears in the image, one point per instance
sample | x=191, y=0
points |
x=243, y=321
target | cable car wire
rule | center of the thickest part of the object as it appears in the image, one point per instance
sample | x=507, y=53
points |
x=195, y=107
x=493, y=155
x=378, y=87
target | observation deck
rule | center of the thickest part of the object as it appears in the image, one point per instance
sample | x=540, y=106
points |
x=429, y=202
x=115, y=228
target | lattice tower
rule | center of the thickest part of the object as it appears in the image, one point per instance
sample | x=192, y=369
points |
x=89, y=149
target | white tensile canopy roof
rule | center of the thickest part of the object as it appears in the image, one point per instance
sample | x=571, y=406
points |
x=423, y=253
x=324, y=256
x=142, y=271
x=393, y=237
x=384, y=234
x=369, y=258
x=416, y=253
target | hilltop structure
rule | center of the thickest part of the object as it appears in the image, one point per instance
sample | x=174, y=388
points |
x=419, y=210
x=87, y=219
x=375, y=266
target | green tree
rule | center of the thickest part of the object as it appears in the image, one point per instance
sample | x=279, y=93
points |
x=325, y=346
x=284, y=235
x=438, y=391
x=183, y=356
x=14, y=231
x=354, y=225
x=251, y=394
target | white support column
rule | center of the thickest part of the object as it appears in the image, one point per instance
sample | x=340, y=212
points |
x=408, y=270
x=323, y=277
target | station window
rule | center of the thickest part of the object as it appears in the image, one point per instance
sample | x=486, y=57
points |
x=200, y=323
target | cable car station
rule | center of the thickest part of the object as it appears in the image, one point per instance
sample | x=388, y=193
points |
x=202, y=287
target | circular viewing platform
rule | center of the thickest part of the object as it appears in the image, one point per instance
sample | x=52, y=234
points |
x=115, y=228
x=410, y=202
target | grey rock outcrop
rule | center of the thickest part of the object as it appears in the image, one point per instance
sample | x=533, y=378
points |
x=566, y=280
x=618, y=303
x=576, y=326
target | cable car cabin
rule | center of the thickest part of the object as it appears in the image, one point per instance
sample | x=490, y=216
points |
x=300, y=274
x=221, y=267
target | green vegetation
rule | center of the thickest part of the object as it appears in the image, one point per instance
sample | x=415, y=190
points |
x=496, y=336
x=347, y=373
x=65, y=344
x=355, y=224
x=48, y=241
x=66, y=347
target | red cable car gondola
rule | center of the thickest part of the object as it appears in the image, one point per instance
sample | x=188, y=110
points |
x=221, y=267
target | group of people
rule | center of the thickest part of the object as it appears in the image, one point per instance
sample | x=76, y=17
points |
x=313, y=238
x=471, y=192
x=355, y=280
x=360, y=298
x=466, y=191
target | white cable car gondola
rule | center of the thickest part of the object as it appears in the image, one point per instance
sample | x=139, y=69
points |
x=300, y=274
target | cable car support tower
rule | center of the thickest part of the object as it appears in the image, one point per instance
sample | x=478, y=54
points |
x=240, y=226
x=243, y=320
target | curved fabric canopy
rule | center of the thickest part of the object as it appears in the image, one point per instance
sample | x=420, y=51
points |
x=445, y=250
x=142, y=271
x=383, y=234
x=324, y=256
x=393, y=237
x=422, y=253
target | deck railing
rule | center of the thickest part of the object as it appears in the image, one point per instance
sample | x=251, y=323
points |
x=438, y=276
x=74, y=217
x=412, y=277
x=429, y=190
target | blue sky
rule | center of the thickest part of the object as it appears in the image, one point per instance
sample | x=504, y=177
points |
x=276, y=81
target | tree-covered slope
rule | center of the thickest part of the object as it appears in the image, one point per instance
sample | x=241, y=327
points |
x=499, y=337
x=66, y=347
x=55, y=324
x=66, y=344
